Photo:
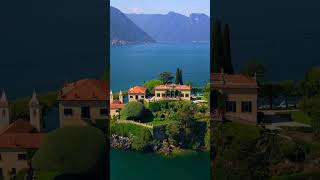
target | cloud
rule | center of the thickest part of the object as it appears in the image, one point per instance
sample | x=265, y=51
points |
x=135, y=10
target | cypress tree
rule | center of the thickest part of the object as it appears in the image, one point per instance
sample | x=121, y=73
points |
x=217, y=52
x=180, y=77
x=177, y=76
x=227, y=64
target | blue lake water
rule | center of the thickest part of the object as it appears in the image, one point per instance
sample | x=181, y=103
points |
x=138, y=166
x=134, y=64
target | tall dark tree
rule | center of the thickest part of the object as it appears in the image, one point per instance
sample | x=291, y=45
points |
x=177, y=76
x=227, y=62
x=180, y=77
x=217, y=51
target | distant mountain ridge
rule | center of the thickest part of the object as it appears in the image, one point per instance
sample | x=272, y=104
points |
x=174, y=27
x=124, y=31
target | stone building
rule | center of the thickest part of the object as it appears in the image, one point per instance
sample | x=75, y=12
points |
x=116, y=105
x=172, y=92
x=18, y=137
x=241, y=95
x=137, y=93
x=83, y=102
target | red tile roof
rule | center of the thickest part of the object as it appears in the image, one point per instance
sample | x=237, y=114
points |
x=233, y=81
x=172, y=86
x=21, y=140
x=116, y=104
x=85, y=90
x=137, y=90
x=19, y=126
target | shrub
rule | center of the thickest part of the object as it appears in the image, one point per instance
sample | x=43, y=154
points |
x=73, y=150
x=133, y=110
x=142, y=141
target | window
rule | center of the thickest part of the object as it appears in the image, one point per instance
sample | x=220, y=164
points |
x=104, y=112
x=142, y=97
x=0, y=157
x=13, y=171
x=3, y=113
x=137, y=97
x=163, y=95
x=158, y=94
x=131, y=97
x=231, y=106
x=67, y=112
x=187, y=95
x=246, y=106
x=22, y=157
x=85, y=112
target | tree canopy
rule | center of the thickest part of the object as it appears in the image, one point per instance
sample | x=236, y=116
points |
x=151, y=84
x=166, y=77
x=73, y=150
x=133, y=110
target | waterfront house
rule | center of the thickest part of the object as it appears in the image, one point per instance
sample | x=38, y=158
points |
x=241, y=95
x=137, y=93
x=18, y=137
x=116, y=105
x=83, y=102
x=172, y=92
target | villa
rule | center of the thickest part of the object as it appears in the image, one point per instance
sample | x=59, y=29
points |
x=137, y=93
x=172, y=92
x=83, y=102
x=18, y=137
x=116, y=105
x=242, y=95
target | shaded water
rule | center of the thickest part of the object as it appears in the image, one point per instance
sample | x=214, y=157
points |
x=139, y=166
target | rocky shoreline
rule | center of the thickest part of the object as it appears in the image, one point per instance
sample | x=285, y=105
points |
x=120, y=142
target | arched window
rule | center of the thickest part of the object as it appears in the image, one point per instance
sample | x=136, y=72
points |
x=34, y=113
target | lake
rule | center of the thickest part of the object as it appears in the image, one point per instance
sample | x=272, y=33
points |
x=134, y=64
x=139, y=166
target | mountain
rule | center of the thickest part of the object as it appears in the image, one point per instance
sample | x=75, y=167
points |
x=174, y=27
x=124, y=31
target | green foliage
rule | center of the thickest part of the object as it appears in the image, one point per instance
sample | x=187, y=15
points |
x=254, y=68
x=20, y=107
x=154, y=106
x=287, y=89
x=142, y=140
x=73, y=150
x=125, y=129
x=166, y=77
x=270, y=91
x=132, y=111
x=101, y=124
x=151, y=84
x=221, y=49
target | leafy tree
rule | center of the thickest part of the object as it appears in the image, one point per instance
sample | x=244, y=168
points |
x=133, y=110
x=142, y=141
x=151, y=84
x=314, y=112
x=166, y=77
x=253, y=68
x=73, y=150
x=270, y=91
x=287, y=89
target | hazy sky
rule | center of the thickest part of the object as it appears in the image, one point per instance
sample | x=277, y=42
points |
x=185, y=7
